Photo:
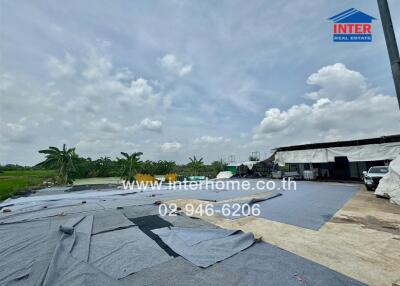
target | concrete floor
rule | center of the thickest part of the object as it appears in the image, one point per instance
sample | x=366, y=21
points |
x=362, y=240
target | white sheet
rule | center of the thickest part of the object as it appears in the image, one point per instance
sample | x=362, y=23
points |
x=389, y=185
x=370, y=152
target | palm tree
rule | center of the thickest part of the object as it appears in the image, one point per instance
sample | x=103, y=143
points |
x=62, y=160
x=130, y=164
x=196, y=164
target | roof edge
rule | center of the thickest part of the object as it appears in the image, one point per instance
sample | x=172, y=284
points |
x=356, y=142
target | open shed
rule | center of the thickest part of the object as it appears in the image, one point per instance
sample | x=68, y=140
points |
x=339, y=159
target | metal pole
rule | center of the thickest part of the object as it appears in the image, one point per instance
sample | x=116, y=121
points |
x=391, y=44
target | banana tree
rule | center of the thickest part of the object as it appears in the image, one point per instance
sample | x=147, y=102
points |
x=62, y=160
x=130, y=164
x=196, y=164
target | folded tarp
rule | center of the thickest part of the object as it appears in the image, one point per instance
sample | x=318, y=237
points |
x=82, y=236
x=211, y=246
x=192, y=236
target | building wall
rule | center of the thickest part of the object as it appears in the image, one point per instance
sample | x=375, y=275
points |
x=354, y=170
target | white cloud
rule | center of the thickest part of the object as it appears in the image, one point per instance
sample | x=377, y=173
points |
x=170, y=147
x=120, y=85
x=21, y=131
x=341, y=110
x=211, y=140
x=184, y=70
x=6, y=81
x=337, y=82
x=61, y=67
x=109, y=127
x=140, y=91
x=170, y=62
x=151, y=125
x=97, y=66
x=96, y=146
x=105, y=126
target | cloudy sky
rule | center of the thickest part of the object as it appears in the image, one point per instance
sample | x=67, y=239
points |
x=177, y=78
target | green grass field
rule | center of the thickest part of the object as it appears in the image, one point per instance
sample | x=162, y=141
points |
x=13, y=182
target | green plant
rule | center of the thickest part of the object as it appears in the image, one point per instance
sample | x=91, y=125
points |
x=130, y=164
x=61, y=160
x=165, y=167
x=218, y=166
x=196, y=164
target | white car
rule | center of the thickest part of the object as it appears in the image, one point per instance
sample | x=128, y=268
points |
x=373, y=176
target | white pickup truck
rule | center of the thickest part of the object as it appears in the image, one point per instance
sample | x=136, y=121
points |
x=373, y=176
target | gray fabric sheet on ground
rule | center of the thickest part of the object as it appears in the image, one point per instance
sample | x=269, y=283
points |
x=82, y=233
x=192, y=236
x=116, y=247
x=180, y=272
x=177, y=272
x=209, y=250
x=73, y=204
x=265, y=264
x=310, y=206
x=56, y=189
x=39, y=206
x=124, y=201
x=109, y=220
x=235, y=209
x=58, y=267
x=52, y=212
x=122, y=252
x=202, y=194
x=139, y=211
x=181, y=220
x=110, y=255
x=19, y=246
x=178, y=220
x=39, y=249
x=259, y=265
x=250, y=201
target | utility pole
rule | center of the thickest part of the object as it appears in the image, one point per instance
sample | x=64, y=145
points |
x=391, y=44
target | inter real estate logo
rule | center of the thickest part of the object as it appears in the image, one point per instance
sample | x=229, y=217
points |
x=352, y=26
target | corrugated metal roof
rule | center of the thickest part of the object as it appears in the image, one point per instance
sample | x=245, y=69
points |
x=358, y=142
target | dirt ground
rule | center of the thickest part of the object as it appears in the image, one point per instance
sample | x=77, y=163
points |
x=362, y=240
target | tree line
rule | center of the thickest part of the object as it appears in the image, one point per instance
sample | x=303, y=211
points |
x=69, y=165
